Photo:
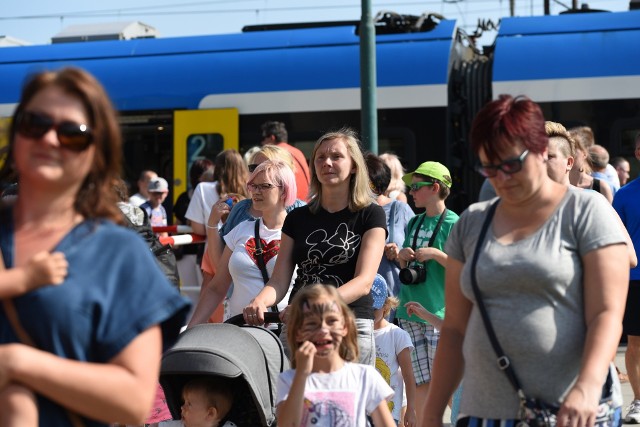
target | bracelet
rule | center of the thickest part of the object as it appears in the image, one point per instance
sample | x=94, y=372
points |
x=211, y=227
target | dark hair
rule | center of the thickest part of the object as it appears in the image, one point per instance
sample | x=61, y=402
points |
x=379, y=173
x=276, y=129
x=198, y=167
x=95, y=198
x=504, y=122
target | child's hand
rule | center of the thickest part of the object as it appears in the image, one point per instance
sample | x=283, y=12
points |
x=426, y=254
x=304, y=357
x=416, y=308
x=45, y=268
x=410, y=419
x=406, y=254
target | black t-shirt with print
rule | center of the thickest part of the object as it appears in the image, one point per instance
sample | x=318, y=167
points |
x=326, y=247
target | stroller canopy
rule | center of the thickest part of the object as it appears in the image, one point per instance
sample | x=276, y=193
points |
x=252, y=355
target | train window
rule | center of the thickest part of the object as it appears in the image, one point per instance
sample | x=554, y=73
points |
x=203, y=146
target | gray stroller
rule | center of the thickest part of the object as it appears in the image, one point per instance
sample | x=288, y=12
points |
x=249, y=357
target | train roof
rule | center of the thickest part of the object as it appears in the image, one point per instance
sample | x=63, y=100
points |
x=569, y=57
x=217, y=71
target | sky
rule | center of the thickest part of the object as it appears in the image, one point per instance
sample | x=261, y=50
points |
x=36, y=21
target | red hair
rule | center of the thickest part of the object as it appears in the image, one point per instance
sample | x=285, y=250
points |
x=504, y=122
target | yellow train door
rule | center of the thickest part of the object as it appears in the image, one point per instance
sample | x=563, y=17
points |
x=201, y=134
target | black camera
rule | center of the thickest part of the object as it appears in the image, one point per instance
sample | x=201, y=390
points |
x=413, y=275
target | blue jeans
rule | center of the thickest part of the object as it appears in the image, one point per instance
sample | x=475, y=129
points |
x=366, y=342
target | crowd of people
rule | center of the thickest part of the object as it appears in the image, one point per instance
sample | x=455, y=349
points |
x=405, y=314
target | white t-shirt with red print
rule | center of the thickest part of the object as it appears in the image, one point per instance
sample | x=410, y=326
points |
x=243, y=265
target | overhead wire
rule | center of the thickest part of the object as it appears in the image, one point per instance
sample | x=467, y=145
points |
x=153, y=10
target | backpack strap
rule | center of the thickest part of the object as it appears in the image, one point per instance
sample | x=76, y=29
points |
x=260, y=259
x=392, y=220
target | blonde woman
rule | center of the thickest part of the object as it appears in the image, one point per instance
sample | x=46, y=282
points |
x=580, y=175
x=337, y=239
x=397, y=187
x=243, y=210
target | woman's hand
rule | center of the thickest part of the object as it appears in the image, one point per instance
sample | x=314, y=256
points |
x=218, y=209
x=254, y=312
x=580, y=406
x=391, y=251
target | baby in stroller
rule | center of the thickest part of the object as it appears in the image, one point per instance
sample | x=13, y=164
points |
x=205, y=403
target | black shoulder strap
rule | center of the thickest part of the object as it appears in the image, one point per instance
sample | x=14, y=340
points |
x=596, y=185
x=260, y=252
x=392, y=219
x=438, y=225
x=503, y=361
x=260, y=258
x=416, y=231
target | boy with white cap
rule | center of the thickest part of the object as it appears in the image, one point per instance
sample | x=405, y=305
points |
x=158, y=190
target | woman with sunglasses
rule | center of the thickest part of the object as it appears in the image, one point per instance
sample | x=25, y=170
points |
x=551, y=270
x=247, y=256
x=337, y=239
x=96, y=340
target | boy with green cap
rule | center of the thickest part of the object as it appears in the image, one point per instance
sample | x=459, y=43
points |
x=422, y=263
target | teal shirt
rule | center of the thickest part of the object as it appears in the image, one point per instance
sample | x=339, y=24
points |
x=429, y=293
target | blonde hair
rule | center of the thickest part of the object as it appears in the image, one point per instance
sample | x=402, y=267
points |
x=397, y=172
x=389, y=304
x=348, y=347
x=554, y=130
x=273, y=152
x=216, y=392
x=360, y=193
x=583, y=135
x=579, y=142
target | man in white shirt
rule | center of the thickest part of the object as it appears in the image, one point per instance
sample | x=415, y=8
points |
x=143, y=182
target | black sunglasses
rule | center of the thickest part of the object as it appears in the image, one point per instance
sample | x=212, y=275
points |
x=72, y=136
x=509, y=166
x=252, y=167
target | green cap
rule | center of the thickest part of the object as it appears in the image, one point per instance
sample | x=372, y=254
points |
x=431, y=169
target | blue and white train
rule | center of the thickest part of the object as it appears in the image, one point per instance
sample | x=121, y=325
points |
x=186, y=97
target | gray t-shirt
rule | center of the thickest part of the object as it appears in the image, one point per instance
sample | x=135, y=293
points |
x=533, y=293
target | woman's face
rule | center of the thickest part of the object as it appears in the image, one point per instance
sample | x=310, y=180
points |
x=265, y=194
x=581, y=159
x=43, y=161
x=332, y=162
x=558, y=162
x=520, y=185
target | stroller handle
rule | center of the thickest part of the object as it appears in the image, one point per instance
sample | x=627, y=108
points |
x=269, y=317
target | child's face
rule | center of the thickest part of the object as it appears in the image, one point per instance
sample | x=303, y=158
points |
x=156, y=198
x=196, y=411
x=323, y=325
x=422, y=194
